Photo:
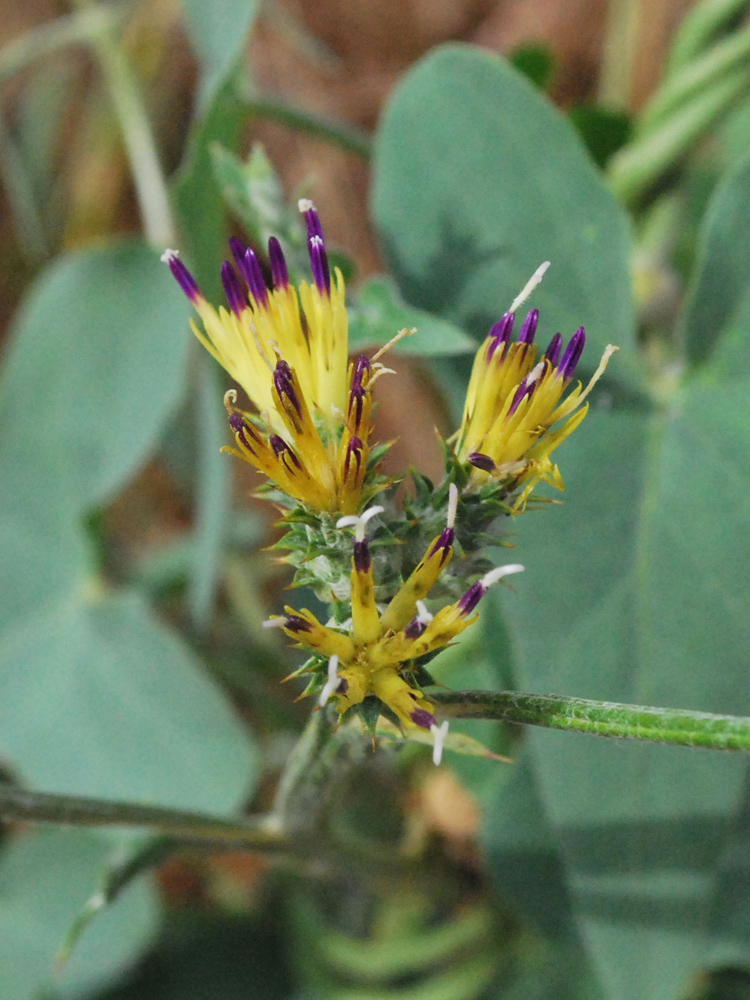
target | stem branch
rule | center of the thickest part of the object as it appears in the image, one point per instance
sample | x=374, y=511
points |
x=599, y=718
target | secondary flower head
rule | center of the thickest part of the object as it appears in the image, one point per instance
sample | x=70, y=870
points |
x=288, y=349
x=516, y=410
x=374, y=656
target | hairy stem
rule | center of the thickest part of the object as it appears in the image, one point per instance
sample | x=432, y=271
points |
x=138, y=136
x=599, y=718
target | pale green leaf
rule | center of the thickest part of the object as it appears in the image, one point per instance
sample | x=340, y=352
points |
x=98, y=698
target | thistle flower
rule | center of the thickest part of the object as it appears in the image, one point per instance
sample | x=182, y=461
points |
x=287, y=348
x=515, y=414
x=375, y=655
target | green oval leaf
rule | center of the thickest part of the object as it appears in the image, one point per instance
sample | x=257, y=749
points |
x=379, y=313
x=717, y=311
x=218, y=31
x=95, y=367
x=97, y=698
x=46, y=878
x=642, y=589
x=478, y=180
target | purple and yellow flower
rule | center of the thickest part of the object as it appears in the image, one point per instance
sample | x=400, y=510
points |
x=373, y=655
x=288, y=349
x=516, y=411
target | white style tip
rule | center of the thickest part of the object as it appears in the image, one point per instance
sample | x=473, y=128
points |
x=499, y=572
x=304, y=205
x=333, y=680
x=276, y=622
x=359, y=522
x=530, y=285
x=169, y=255
x=424, y=617
x=452, y=505
x=439, y=734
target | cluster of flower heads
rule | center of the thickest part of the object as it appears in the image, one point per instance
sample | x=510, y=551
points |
x=371, y=655
x=309, y=434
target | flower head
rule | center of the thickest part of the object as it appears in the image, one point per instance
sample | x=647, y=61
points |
x=374, y=655
x=288, y=349
x=516, y=410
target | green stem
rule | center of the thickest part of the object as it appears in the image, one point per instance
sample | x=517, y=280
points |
x=67, y=810
x=21, y=197
x=696, y=79
x=32, y=45
x=599, y=718
x=698, y=30
x=148, y=177
x=620, y=52
x=346, y=137
x=635, y=169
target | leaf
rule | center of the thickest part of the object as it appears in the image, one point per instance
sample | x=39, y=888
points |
x=536, y=62
x=46, y=877
x=253, y=191
x=718, y=303
x=378, y=313
x=218, y=32
x=603, y=130
x=94, y=369
x=469, y=202
x=97, y=698
x=204, y=225
x=643, y=599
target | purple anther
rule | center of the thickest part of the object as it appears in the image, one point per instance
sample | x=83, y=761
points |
x=296, y=624
x=353, y=451
x=240, y=428
x=444, y=544
x=415, y=628
x=526, y=388
x=528, y=330
x=343, y=686
x=280, y=447
x=361, y=368
x=500, y=333
x=319, y=263
x=420, y=717
x=572, y=354
x=356, y=404
x=238, y=249
x=481, y=461
x=279, y=270
x=233, y=289
x=282, y=378
x=312, y=220
x=471, y=598
x=251, y=272
x=184, y=278
x=552, y=354
x=362, y=560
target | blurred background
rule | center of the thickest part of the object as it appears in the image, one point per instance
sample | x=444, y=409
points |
x=133, y=665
